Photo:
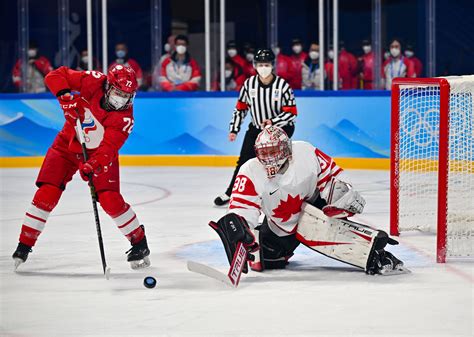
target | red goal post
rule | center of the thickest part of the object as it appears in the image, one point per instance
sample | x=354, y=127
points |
x=431, y=169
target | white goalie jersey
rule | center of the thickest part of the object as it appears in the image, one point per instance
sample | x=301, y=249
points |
x=281, y=197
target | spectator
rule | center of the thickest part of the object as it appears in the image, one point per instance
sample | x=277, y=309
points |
x=347, y=69
x=249, y=53
x=329, y=68
x=83, y=62
x=180, y=72
x=297, y=58
x=396, y=65
x=121, y=51
x=233, y=53
x=38, y=67
x=234, y=77
x=168, y=48
x=284, y=64
x=366, y=62
x=410, y=54
x=311, y=70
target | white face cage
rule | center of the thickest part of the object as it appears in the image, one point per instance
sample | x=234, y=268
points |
x=273, y=149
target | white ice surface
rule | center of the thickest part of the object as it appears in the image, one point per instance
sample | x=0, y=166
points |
x=60, y=291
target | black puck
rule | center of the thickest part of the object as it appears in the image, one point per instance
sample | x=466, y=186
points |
x=149, y=282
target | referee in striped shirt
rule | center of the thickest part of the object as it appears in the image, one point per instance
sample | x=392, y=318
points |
x=270, y=100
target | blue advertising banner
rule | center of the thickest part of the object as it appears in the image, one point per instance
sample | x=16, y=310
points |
x=343, y=124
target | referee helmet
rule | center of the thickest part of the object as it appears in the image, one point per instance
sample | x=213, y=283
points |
x=264, y=56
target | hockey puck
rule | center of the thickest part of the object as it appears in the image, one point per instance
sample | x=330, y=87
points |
x=149, y=282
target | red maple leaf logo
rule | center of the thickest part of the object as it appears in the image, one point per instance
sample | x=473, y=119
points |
x=286, y=209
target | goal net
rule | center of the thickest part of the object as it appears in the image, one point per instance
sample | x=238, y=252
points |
x=432, y=156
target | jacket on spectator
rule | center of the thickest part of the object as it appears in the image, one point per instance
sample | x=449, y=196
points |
x=38, y=68
x=417, y=64
x=133, y=64
x=284, y=67
x=242, y=63
x=232, y=83
x=180, y=75
x=392, y=68
x=297, y=63
x=311, y=74
x=347, y=70
x=367, y=70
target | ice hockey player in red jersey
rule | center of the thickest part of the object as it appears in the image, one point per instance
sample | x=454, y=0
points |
x=105, y=108
x=286, y=182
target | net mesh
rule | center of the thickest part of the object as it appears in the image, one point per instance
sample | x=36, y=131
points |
x=418, y=162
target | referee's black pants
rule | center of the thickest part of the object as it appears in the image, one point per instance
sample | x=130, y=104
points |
x=248, y=151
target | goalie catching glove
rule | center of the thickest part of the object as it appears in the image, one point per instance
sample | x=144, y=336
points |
x=342, y=200
x=232, y=229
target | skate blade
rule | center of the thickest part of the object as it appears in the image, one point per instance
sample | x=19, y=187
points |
x=107, y=273
x=140, y=264
x=396, y=271
x=17, y=263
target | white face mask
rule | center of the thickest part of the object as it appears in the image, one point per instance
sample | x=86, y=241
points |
x=276, y=50
x=331, y=54
x=117, y=102
x=232, y=52
x=313, y=54
x=228, y=73
x=85, y=59
x=167, y=47
x=249, y=57
x=409, y=53
x=263, y=71
x=367, y=49
x=297, y=48
x=395, y=52
x=181, y=49
x=32, y=52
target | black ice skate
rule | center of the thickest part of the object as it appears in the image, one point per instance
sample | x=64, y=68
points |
x=21, y=254
x=385, y=263
x=138, y=254
x=221, y=200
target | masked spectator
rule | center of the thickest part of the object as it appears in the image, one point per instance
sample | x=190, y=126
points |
x=249, y=53
x=410, y=54
x=37, y=68
x=366, y=62
x=347, y=69
x=311, y=71
x=180, y=72
x=121, y=52
x=233, y=53
x=234, y=77
x=83, y=62
x=329, y=68
x=283, y=64
x=397, y=65
x=297, y=57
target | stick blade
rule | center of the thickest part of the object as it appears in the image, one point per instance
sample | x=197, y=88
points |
x=205, y=270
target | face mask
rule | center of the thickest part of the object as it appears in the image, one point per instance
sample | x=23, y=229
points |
x=232, y=52
x=32, y=52
x=409, y=53
x=367, y=49
x=85, y=59
x=276, y=50
x=228, y=73
x=331, y=54
x=395, y=52
x=264, y=71
x=167, y=47
x=117, y=102
x=181, y=49
x=386, y=55
x=313, y=54
x=297, y=48
x=249, y=57
x=120, y=53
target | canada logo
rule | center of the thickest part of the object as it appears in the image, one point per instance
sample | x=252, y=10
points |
x=286, y=209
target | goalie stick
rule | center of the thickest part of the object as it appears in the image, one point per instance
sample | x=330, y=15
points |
x=232, y=278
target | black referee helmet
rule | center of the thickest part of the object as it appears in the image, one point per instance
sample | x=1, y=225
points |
x=264, y=56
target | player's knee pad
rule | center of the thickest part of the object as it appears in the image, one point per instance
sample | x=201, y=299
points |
x=47, y=197
x=112, y=203
x=275, y=250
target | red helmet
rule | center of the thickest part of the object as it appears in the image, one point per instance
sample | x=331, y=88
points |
x=121, y=87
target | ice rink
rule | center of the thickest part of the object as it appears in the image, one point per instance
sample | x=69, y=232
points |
x=60, y=291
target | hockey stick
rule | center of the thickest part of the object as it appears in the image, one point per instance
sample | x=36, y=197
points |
x=82, y=140
x=232, y=278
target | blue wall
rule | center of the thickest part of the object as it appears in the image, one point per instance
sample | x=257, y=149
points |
x=343, y=124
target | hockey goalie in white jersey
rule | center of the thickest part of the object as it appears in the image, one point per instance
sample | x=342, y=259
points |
x=298, y=189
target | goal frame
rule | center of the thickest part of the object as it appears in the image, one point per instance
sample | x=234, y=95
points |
x=443, y=156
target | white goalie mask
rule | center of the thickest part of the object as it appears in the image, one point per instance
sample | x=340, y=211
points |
x=273, y=149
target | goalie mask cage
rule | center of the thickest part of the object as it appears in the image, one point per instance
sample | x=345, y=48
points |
x=431, y=168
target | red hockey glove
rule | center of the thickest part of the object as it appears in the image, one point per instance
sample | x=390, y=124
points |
x=72, y=107
x=96, y=165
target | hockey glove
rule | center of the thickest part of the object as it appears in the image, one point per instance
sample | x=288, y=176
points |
x=72, y=107
x=96, y=165
x=342, y=200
